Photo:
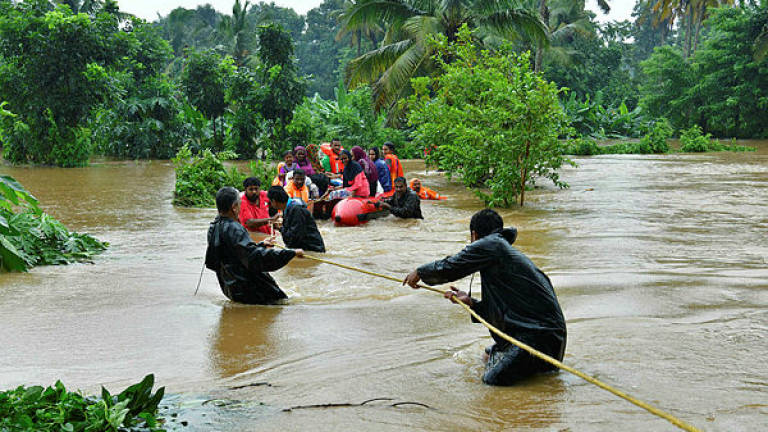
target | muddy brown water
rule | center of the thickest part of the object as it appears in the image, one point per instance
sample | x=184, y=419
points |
x=660, y=264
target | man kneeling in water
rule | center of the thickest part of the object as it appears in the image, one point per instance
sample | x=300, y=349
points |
x=240, y=264
x=518, y=298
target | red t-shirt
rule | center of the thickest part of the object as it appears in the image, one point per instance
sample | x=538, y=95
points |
x=249, y=210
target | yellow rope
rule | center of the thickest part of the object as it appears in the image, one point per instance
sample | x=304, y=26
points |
x=653, y=410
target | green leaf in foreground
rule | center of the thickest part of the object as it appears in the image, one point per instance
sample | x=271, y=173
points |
x=56, y=409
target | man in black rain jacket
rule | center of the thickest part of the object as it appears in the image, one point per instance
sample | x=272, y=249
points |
x=517, y=298
x=241, y=265
x=299, y=229
x=405, y=203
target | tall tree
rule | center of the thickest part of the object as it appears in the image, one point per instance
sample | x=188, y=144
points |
x=690, y=14
x=405, y=52
x=233, y=30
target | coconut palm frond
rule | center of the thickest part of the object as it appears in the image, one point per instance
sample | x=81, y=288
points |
x=370, y=66
x=604, y=6
x=518, y=24
x=421, y=27
x=582, y=27
x=367, y=13
x=398, y=76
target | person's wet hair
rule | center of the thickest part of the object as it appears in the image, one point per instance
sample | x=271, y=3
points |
x=390, y=145
x=401, y=180
x=486, y=222
x=377, y=152
x=299, y=171
x=251, y=181
x=277, y=194
x=286, y=153
x=226, y=198
x=336, y=140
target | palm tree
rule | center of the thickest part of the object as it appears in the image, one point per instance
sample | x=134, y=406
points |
x=563, y=18
x=692, y=13
x=233, y=29
x=405, y=52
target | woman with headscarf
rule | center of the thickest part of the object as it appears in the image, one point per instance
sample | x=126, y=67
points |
x=354, y=180
x=371, y=173
x=313, y=155
x=302, y=160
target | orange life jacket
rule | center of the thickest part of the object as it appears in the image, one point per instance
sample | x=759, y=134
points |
x=395, y=167
x=334, y=159
x=426, y=193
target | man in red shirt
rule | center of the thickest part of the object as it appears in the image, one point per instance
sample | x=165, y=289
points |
x=254, y=207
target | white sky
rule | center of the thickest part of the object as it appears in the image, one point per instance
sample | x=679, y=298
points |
x=148, y=9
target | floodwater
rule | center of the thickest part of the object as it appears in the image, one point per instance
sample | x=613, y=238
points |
x=660, y=264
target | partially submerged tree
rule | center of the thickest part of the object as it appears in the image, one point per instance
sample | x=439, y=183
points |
x=490, y=119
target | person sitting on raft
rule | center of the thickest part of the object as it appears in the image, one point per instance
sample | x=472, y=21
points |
x=518, y=298
x=332, y=160
x=302, y=161
x=404, y=203
x=254, y=207
x=284, y=168
x=241, y=265
x=297, y=187
x=299, y=229
x=424, y=192
x=393, y=163
x=369, y=169
x=355, y=183
x=382, y=169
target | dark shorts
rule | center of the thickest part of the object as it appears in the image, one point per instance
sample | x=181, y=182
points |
x=509, y=365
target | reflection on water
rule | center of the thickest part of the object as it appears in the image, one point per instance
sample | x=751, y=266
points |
x=242, y=339
x=660, y=264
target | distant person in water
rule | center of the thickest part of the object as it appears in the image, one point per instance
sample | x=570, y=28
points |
x=241, y=265
x=518, y=298
x=254, y=207
x=382, y=169
x=424, y=192
x=404, y=203
x=299, y=229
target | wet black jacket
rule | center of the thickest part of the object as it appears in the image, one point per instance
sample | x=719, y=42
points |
x=241, y=265
x=407, y=206
x=518, y=298
x=300, y=230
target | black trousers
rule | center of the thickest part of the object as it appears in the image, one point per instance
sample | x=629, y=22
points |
x=507, y=365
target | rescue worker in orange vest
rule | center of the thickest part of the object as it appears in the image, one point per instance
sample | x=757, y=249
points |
x=393, y=163
x=332, y=159
x=424, y=192
x=297, y=188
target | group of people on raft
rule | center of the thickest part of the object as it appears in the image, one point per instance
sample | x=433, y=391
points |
x=517, y=297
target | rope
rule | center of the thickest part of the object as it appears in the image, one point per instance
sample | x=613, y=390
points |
x=651, y=409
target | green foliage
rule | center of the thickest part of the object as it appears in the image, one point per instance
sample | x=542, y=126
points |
x=350, y=117
x=583, y=147
x=55, y=409
x=198, y=178
x=152, y=123
x=655, y=141
x=723, y=88
x=203, y=80
x=491, y=120
x=283, y=88
x=592, y=118
x=29, y=237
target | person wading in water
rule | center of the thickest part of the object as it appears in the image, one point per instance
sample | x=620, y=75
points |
x=241, y=265
x=518, y=298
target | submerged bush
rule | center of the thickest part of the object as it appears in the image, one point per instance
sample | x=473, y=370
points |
x=198, y=178
x=583, y=147
x=29, y=237
x=692, y=141
x=55, y=409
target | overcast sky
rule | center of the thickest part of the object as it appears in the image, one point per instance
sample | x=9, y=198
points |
x=148, y=9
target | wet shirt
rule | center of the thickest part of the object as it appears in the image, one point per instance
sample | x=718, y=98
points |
x=299, y=228
x=407, y=206
x=249, y=210
x=293, y=192
x=241, y=265
x=517, y=297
